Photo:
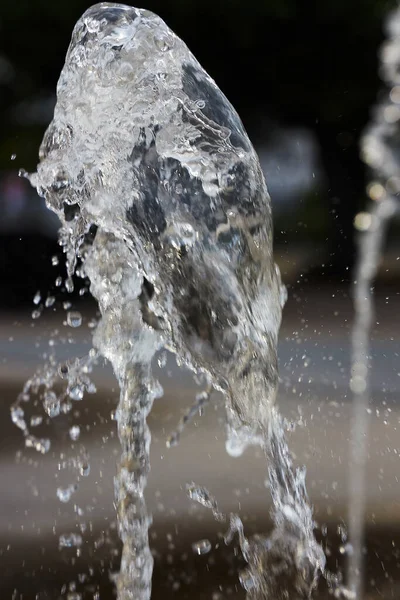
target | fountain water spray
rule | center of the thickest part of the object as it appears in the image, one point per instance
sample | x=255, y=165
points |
x=380, y=150
x=164, y=206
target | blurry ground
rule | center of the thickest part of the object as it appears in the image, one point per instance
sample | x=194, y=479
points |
x=314, y=365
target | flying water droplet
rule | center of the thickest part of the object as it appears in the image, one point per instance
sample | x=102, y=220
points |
x=49, y=301
x=70, y=540
x=64, y=494
x=202, y=546
x=51, y=404
x=76, y=392
x=74, y=432
x=69, y=285
x=36, y=420
x=84, y=468
x=74, y=318
x=162, y=360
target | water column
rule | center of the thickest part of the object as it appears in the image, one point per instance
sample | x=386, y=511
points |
x=380, y=151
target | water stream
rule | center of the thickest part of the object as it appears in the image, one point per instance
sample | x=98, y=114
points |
x=164, y=208
x=380, y=152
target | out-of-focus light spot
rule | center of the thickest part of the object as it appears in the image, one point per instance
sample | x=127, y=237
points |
x=395, y=94
x=376, y=191
x=391, y=114
x=363, y=221
x=393, y=185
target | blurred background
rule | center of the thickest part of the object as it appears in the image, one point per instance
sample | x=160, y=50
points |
x=304, y=78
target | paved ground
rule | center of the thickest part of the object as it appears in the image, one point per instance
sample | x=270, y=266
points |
x=314, y=358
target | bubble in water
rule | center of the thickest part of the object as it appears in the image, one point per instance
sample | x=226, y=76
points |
x=55, y=260
x=74, y=318
x=163, y=41
x=58, y=281
x=202, y=546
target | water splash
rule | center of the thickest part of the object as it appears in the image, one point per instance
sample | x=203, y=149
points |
x=165, y=209
x=380, y=151
x=288, y=562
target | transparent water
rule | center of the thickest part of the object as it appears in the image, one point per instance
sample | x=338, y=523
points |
x=165, y=209
x=380, y=151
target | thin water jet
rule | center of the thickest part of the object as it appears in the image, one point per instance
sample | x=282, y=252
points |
x=379, y=149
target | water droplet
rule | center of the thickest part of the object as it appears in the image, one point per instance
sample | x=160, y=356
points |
x=36, y=313
x=234, y=446
x=162, y=360
x=74, y=432
x=76, y=392
x=346, y=549
x=17, y=417
x=40, y=445
x=247, y=580
x=58, y=281
x=51, y=404
x=54, y=260
x=49, y=301
x=202, y=546
x=69, y=285
x=74, y=318
x=13, y=156
x=64, y=494
x=74, y=595
x=36, y=420
x=69, y=540
x=84, y=468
